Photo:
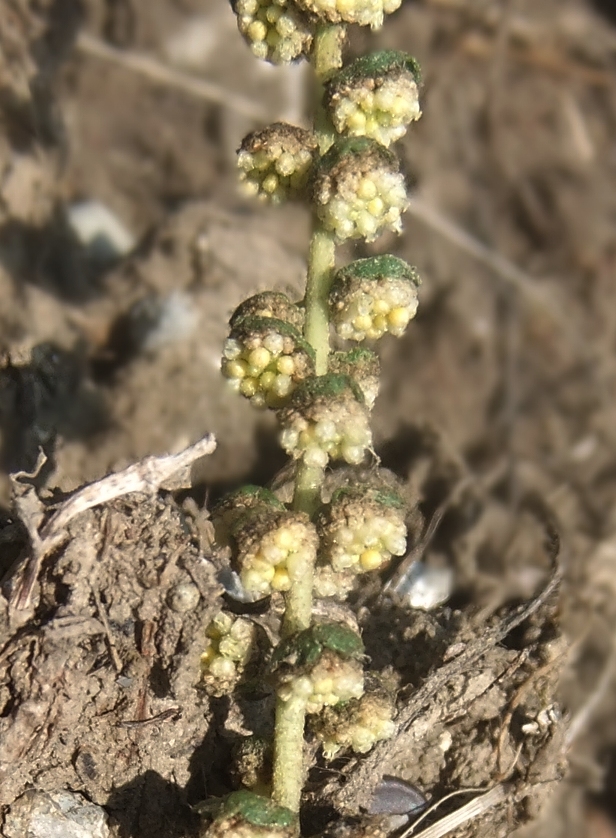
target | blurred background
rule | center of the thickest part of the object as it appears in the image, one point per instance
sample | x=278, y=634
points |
x=125, y=245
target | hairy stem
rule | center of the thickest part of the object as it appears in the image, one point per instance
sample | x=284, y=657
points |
x=288, y=752
x=320, y=269
x=298, y=601
x=291, y=715
x=327, y=58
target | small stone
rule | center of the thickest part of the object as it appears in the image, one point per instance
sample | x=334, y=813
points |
x=100, y=231
x=394, y=796
x=425, y=587
x=183, y=597
x=55, y=814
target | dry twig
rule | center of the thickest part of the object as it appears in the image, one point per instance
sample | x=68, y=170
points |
x=501, y=266
x=469, y=812
x=529, y=289
x=580, y=721
x=156, y=71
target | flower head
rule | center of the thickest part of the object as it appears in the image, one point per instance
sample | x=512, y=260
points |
x=229, y=647
x=275, y=30
x=376, y=96
x=269, y=304
x=264, y=359
x=326, y=418
x=362, y=528
x=373, y=296
x=359, y=724
x=245, y=814
x=273, y=547
x=320, y=665
x=358, y=190
x=275, y=162
x=363, y=366
x=232, y=507
x=252, y=762
x=362, y=12
x=333, y=584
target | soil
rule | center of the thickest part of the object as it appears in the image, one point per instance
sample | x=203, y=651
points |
x=496, y=409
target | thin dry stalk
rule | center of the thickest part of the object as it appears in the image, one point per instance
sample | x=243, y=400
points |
x=586, y=712
x=470, y=812
x=156, y=71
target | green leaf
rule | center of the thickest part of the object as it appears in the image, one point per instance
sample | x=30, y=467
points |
x=257, y=810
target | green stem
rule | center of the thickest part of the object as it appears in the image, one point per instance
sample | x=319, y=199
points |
x=291, y=715
x=288, y=752
x=326, y=59
x=321, y=262
x=298, y=601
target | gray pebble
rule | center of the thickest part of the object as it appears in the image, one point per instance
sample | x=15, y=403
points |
x=183, y=597
x=55, y=814
x=394, y=796
x=425, y=587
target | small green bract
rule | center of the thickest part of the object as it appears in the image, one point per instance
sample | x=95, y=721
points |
x=339, y=638
x=307, y=646
x=257, y=810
